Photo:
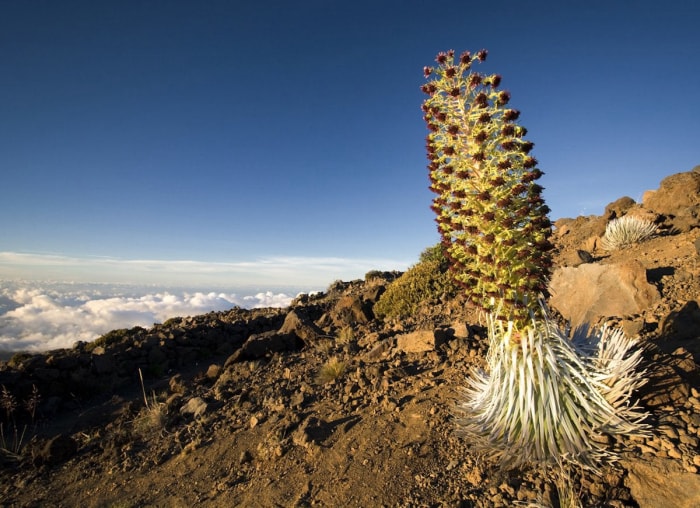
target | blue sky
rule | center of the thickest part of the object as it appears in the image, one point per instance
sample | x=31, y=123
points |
x=282, y=143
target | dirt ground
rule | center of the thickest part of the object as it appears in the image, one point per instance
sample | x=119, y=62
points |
x=270, y=432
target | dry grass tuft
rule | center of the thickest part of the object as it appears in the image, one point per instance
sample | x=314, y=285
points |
x=331, y=370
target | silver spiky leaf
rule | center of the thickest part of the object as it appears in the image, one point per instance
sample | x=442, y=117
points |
x=547, y=400
x=626, y=231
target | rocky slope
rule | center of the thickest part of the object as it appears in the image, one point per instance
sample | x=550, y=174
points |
x=322, y=404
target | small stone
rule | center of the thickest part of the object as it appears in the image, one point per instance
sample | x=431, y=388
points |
x=674, y=453
x=696, y=460
x=691, y=441
x=213, y=371
x=669, y=432
x=668, y=445
x=646, y=449
x=254, y=421
x=195, y=406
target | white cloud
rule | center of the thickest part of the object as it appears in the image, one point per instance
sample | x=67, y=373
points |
x=309, y=272
x=41, y=316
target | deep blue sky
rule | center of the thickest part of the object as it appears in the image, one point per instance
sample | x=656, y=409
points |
x=264, y=133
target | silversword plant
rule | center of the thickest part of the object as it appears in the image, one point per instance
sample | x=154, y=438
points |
x=544, y=398
x=626, y=231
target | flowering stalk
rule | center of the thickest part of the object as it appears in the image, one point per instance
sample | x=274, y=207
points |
x=545, y=398
x=490, y=212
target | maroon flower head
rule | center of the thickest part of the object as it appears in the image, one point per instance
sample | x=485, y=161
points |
x=481, y=136
x=526, y=146
x=455, y=92
x=450, y=72
x=531, y=176
x=508, y=130
x=504, y=164
x=453, y=129
x=441, y=57
x=481, y=55
x=511, y=114
x=530, y=162
x=474, y=80
x=503, y=98
x=427, y=71
x=429, y=88
x=481, y=100
x=505, y=202
x=465, y=58
x=484, y=118
x=495, y=80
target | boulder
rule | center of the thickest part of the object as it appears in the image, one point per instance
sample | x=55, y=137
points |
x=421, y=341
x=660, y=482
x=261, y=344
x=683, y=323
x=675, y=195
x=351, y=310
x=586, y=293
x=196, y=406
x=619, y=207
x=297, y=323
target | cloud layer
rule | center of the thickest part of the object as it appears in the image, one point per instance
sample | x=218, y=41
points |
x=316, y=272
x=40, y=316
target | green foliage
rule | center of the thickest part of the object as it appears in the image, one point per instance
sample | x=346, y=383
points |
x=626, y=231
x=425, y=282
x=490, y=212
x=436, y=253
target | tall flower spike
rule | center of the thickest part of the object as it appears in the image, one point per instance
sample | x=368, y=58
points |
x=543, y=400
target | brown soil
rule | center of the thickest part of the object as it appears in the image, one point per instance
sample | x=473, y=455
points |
x=269, y=432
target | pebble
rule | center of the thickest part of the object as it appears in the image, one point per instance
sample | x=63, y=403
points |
x=674, y=453
x=689, y=440
x=646, y=449
x=668, y=431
